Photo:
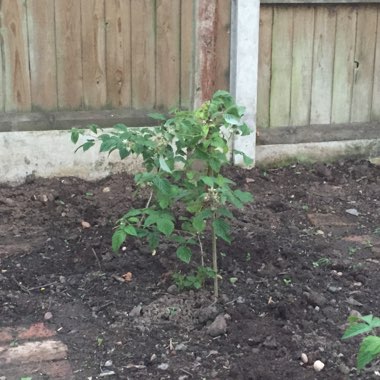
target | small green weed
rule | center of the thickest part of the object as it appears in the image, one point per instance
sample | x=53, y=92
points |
x=370, y=345
x=322, y=262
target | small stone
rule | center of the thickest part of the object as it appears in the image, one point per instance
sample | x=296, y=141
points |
x=136, y=311
x=107, y=373
x=108, y=363
x=315, y=299
x=249, y=281
x=85, y=224
x=48, y=315
x=9, y=202
x=344, y=369
x=270, y=342
x=181, y=347
x=218, y=327
x=207, y=313
x=153, y=357
x=352, y=211
x=240, y=300
x=43, y=198
x=318, y=366
x=106, y=189
x=333, y=289
x=62, y=279
x=172, y=289
x=163, y=366
x=304, y=358
x=352, y=301
x=355, y=313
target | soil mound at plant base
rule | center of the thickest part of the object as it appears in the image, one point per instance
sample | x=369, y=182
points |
x=305, y=255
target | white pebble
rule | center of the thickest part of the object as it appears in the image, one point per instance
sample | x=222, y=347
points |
x=48, y=315
x=318, y=365
x=108, y=363
x=163, y=366
x=304, y=358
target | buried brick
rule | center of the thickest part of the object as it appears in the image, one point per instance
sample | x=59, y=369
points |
x=322, y=220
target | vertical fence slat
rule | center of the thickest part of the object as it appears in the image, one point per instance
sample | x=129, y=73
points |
x=364, y=56
x=143, y=53
x=2, y=83
x=343, y=64
x=187, y=51
x=69, y=53
x=43, y=69
x=281, y=66
x=323, y=64
x=303, y=25
x=167, y=53
x=222, y=44
x=118, y=57
x=265, y=63
x=93, y=53
x=16, y=75
x=375, y=114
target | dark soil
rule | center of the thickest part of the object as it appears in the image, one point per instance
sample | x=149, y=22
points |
x=303, y=264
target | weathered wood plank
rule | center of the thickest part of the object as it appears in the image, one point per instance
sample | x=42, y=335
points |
x=264, y=70
x=69, y=53
x=319, y=1
x=303, y=33
x=167, y=54
x=281, y=67
x=93, y=53
x=222, y=44
x=318, y=133
x=187, y=52
x=43, y=121
x=364, y=60
x=375, y=111
x=344, y=64
x=42, y=54
x=143, y=53
x=16, y=60
x=323, y=65
x=118, y=58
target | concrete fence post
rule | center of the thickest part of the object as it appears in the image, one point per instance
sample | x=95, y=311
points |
x=245, y=19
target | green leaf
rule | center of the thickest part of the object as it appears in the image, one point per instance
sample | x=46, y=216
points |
x=243, y=196
x=369, y=350
x=232, y=119
x=244, y=129
x=157, y=116
x=198, y=223
x=163, y=165
x=209, y=181
x=225, y=212
x=74, y=135
x=184, y=254
x=130, y=230
x=356, y=329
x=93, y=128
x=166, y=226
x=247, y=160
x=153, y=240
x=118, y=239
x=87, y=145
x=134, y=212
x=222, y=229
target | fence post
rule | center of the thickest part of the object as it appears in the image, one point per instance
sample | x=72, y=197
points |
x=245, y=19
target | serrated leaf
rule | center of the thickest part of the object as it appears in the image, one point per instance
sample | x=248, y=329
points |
x=356, y=329
x=157, y=116
x=166, y=226
x=369, y=350
x=93, y=128
x=232, y=119
x=130, y=230
x=198, y=223
x=209, y=181
x=243, y=196
x=222, y=229
x=163, y=165
x=184, y=254
x=134, y=212
x=74, y=135
x=118, y=239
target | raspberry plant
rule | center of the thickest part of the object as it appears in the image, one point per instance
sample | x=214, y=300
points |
x=183, y=159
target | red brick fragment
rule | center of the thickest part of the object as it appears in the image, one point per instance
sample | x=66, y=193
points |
x=36, y=331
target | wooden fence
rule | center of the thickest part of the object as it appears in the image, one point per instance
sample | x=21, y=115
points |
x=102, y=54
x=318, y=64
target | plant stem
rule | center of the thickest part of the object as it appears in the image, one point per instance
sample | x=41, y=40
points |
x=202, y=252
x=214, y=257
